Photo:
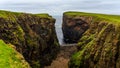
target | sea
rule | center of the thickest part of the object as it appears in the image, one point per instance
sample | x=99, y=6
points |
x=58, y=27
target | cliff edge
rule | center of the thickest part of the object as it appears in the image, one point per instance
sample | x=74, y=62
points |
x=98, y=44
x=33, y=35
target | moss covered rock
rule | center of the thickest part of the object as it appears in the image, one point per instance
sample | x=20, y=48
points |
x=99, y=45
x=33, y=35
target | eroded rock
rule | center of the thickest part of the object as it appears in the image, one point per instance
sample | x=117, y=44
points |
x=34, y=36
x=99, y=45
x=73, y=27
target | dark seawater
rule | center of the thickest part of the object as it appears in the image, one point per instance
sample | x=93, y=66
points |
x=58, y=26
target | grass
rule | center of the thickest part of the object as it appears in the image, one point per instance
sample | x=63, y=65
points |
x=8, y=15
x=44, y=15
x=9, y=58
x=106, y=17
x=11, y=15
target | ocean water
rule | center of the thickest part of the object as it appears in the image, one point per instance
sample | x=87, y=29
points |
x=58, y=26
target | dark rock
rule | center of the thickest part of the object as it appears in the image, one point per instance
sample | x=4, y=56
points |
x=73, y=28
x=33, y=36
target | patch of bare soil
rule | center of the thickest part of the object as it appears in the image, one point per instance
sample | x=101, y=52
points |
x=63, y=57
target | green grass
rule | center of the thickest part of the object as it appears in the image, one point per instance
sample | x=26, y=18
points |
x=110, y=18
x=44, y=15
x=10, y=58
x=11, y=15
x=8, y=15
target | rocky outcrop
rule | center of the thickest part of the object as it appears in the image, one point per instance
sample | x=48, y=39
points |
x=99, y=45
x=73, y=28
x=34, y=36
x=10, y=58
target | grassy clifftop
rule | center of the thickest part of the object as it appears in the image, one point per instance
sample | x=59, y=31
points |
x=98, y=46
x=10, y=58
x=11, y=15
x=107, y=17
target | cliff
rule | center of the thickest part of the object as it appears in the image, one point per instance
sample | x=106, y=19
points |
x=98, y=45
x=33, y=35
x=73, y=28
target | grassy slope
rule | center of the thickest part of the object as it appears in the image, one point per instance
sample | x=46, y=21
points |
x=109, y=18
x=10, y=58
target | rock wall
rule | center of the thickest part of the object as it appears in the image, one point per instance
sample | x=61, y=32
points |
x=98, y=47
x=33, y=35
x=73, y=28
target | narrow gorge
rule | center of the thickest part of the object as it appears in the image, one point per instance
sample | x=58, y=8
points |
x=77, y=40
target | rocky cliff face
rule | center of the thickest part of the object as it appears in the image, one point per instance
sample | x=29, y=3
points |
x=98, y=47
x=73, y=28
x=34, y=36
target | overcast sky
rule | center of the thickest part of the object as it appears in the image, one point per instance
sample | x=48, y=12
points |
x=57, y=7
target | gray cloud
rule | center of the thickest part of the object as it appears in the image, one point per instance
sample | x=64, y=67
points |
x=56, y=7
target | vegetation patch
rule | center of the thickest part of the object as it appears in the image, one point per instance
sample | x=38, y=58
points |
x=115, y=19
x=10, y=58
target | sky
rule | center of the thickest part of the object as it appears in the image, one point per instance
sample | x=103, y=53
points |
x=57, y=7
